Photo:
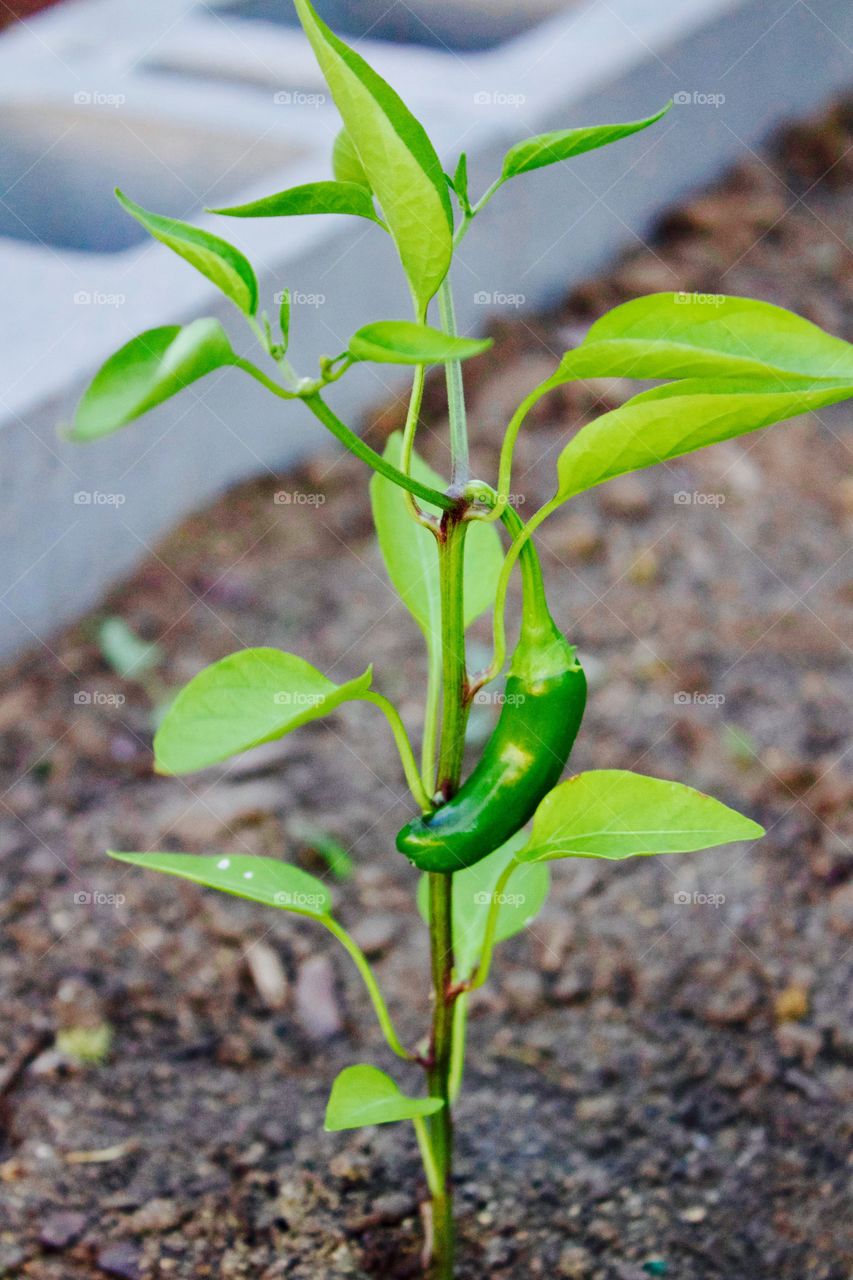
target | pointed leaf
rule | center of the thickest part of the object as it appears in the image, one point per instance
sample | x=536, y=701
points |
x=404, y=342
x=364, y=1095
x=552, y=148
x=473, y=890
x=265, y=880
x=614, y=814
x=313, y=197
x=459, y=181
x=397, y=156
x=250, y=697
x=128, y=656
x=410, y=553
x=226, y=266
x=284, y=320
x=687, y=335
x=146, y=371
x=680, y=417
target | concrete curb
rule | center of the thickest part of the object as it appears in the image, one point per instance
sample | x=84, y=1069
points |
x=186, y=82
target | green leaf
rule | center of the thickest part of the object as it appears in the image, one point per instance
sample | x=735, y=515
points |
x=364, y=1095
x=213, y=257
x=676, y=419
x=411, y=556
x=122, y=648
x=404, y=342
x=346, y=165
x=313, y=197
x=614, y=814
x=397, y=156
x=284, y=320
x=265, y=880
x=473, y=889
x=459, y=181
x=552, y=148
x=250, y=697
x=146, y=371
x=690, y=335
x=332, y=852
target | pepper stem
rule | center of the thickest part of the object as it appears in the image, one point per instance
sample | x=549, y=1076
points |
x=454, y=713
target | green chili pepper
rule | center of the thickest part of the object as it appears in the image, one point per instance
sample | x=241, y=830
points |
x=543, y=706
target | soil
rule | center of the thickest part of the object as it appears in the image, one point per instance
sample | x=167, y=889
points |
x=656, y=1086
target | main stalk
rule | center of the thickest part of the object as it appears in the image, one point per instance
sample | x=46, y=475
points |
x=451, y=549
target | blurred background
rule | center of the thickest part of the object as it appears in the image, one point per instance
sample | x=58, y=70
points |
x=660, y=1065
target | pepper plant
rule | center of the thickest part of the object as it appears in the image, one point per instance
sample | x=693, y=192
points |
x=484, y=844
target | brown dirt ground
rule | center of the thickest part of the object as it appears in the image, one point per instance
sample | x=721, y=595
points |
x=654, y=1088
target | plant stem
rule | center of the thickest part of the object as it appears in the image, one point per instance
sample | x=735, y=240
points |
x=451, y=748
x=356, y=445
x=438, y=1073
x=459, y=474
x=369, y=978
x=404, y=747
x=482, y=971
x=409, y=431
x=433, y=699
x=521, y=534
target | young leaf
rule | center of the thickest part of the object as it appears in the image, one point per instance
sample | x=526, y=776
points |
x=284, y=320
x=364, y=1095
x=397, y=156
x=460, y=181
x=331, y=851
x=250, y=697
x=410, y=553
x=473, y=889
x=552, y=148
x=226, y=266
x=404, y=342
x=346, y=165
x=122, y=648
x=146, y=371
x=264, y=880
x=684, y=335
x=313, y=197
x=614, y=814
x=676, y=419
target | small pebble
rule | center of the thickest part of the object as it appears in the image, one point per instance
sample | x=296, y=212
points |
x=121, y=1261
x=59, y=1230
x=574, y=1263
x=317, y=1006
x=376, y=933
